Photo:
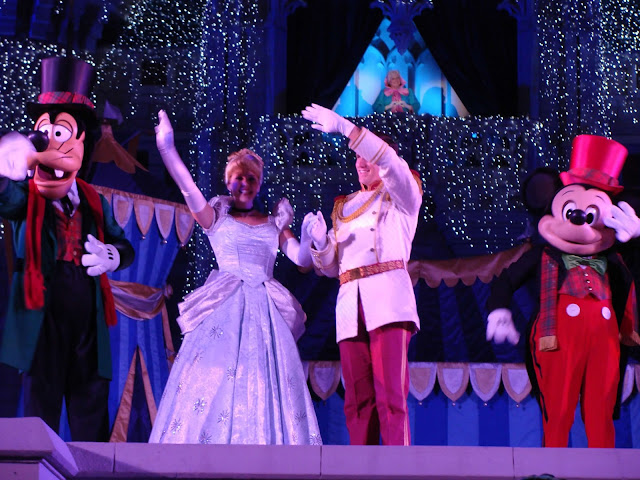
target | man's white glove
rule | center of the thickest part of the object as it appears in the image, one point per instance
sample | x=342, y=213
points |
x=500, y=327
x=317, y=229
x=327, y=120
x=624, y=221
x=100, y=258
x=15, y=151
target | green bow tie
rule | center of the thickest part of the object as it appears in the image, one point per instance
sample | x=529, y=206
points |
x=599, y=264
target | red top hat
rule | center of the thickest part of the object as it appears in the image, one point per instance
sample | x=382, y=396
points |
x=596, y=161
x=65, y=83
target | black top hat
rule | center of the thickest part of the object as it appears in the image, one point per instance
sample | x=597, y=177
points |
x=65, y=83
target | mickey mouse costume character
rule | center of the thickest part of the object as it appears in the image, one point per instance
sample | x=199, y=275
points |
x=59, y=310
x=587, y=295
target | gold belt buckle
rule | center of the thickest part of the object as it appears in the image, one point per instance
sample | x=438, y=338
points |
x=356, y=274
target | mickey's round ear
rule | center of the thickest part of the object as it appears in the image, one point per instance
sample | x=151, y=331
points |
x=539, y=188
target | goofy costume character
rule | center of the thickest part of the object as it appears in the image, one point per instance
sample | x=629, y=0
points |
x=59, y=310
x=588, y=301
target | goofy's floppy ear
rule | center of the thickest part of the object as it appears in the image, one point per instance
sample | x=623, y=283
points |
x=538, y=190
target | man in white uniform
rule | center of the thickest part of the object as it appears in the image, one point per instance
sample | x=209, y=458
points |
x=368, y=249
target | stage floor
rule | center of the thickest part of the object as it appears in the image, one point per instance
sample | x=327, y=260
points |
x=30, y=450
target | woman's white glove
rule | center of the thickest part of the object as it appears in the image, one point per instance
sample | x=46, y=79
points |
x=500, y=327
x=317, y=229
x=298, y=252
x=283, y=213
x=15, y=152
x=176, y=168
x=164, y=133
x=327, y=120
x=100, y=258
x=624, y=221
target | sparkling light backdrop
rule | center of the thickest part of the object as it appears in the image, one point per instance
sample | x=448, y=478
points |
x=588, y=60
x=199, y=59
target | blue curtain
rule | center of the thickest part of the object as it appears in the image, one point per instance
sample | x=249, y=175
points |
x=151, y=267
x=469, y=421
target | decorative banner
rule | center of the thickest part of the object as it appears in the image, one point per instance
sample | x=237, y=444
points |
x=164, y=219
x=516, y=381
x=324, y=378
x=107, y=195
x=467, y=270
x=184, y=225
x=485, y=379
x=122, y=208
x=144, y=214
x=453, y=379
x=123, y=203
x=422, y=379
x=627, y=383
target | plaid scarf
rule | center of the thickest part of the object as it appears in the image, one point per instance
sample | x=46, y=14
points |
x=33, y=278
x=548, y=295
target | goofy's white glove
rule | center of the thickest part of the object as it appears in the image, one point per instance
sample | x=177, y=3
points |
x=100, y=258
x=15, y=152
x=500, y=327
x=624, y=221
x=317, y=229
x=327, y=120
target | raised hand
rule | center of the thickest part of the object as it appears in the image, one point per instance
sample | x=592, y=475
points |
x=100, y=257
x=15, y=152
x=164, y=133
x=624, y=221
x=500, y=327
x=327, y=120
x=316, y=228
x=283, y=213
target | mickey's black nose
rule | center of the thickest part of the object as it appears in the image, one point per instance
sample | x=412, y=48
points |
x=577, y=217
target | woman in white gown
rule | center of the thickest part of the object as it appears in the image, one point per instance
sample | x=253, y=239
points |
x=238, y=377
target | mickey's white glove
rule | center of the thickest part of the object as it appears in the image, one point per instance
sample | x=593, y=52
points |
x=317, y=229
x=327, y=120
x=100, y=258
x=500, y=327
x=624, y=221
x=15, y=151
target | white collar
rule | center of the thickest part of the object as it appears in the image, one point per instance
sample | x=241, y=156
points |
x=73, y=196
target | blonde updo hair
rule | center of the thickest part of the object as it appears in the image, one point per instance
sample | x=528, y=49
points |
x=247, y=159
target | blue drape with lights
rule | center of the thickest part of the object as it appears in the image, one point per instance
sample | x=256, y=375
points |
x=141, y=345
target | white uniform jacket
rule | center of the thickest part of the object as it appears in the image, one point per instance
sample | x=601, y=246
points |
x=374, y=230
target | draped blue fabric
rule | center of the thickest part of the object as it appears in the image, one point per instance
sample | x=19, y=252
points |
x=469, y=421
x=452, y=321
x=151, y=267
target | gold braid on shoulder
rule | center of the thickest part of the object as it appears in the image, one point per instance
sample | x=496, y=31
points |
x=339, y=204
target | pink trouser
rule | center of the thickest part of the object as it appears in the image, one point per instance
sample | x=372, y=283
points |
x=585, y=367
x=376, y=375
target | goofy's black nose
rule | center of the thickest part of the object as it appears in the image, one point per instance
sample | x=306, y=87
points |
x=39, y=139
